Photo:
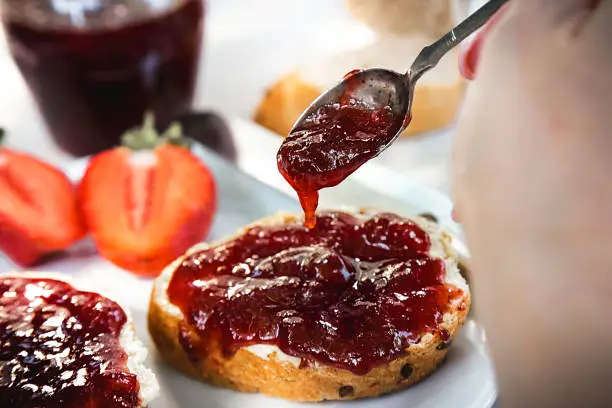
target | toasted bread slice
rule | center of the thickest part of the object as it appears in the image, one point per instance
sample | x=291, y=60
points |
x=266, y=369
x=133, y=347
x=436, y=101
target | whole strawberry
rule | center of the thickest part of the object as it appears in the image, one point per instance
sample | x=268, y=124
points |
x=147, y=202
x=38, y=208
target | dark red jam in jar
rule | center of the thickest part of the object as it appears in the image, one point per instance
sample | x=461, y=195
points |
x=95, y=67
x=351, y=293
x=328, y=146
x=59, y=347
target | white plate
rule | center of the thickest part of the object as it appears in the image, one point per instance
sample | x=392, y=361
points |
x=465, y=380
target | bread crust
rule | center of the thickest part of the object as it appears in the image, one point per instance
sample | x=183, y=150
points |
x=248, y=372
x=434, y=106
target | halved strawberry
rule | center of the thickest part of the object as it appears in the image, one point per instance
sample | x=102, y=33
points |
x=38, y=208
x=146, y=203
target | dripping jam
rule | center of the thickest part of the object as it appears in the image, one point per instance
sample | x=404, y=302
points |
x=329, y=145
x=59, y=347
x=350, y=293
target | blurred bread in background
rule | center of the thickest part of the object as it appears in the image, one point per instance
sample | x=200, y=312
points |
x=405, y=17
x=403, y=28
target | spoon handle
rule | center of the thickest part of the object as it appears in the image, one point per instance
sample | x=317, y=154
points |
x=432, y=54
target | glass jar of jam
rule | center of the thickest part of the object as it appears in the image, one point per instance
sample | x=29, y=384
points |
x=96, y=66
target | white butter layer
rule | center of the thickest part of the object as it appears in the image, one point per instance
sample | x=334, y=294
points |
x=266, y=352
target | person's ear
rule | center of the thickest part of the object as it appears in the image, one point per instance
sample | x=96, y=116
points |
x=469, y=55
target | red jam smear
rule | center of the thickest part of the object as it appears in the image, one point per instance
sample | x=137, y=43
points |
x=349, y=293
x=328, y=146
x=59, y=347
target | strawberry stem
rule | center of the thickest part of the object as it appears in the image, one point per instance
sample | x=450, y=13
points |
x=2, y=135
x=146, y=137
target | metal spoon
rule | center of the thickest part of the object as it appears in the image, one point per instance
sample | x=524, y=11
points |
x=378, y=88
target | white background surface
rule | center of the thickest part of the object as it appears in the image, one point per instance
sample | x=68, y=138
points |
x=248, y=44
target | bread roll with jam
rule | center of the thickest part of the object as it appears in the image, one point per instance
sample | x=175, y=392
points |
x=365, y=304
x=61, y=346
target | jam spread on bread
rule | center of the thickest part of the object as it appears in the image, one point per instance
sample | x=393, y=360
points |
x=328, y=146
x=59, y=347
x=350, y=293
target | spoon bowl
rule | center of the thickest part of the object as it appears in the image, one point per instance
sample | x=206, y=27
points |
x=374, y=88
